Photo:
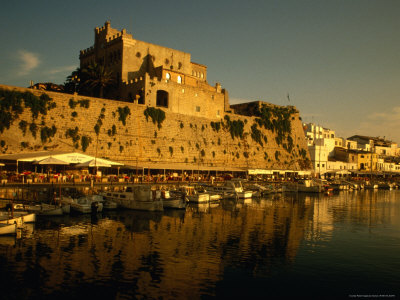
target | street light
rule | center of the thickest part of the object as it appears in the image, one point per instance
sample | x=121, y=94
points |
x=76, y=80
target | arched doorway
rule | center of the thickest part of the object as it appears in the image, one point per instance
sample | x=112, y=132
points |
x=162, y=98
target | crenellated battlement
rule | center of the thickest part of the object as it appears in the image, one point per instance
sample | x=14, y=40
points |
x=87, y=51
x=133, y=81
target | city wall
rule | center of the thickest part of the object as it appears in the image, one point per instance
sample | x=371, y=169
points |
x=180, y=142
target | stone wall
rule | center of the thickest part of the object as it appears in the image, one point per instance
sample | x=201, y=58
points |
x=182, y=141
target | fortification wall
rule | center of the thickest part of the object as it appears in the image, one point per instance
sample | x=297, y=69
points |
x=182, y=141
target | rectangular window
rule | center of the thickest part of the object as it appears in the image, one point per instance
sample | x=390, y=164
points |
x=197, y=108
x=218, y=113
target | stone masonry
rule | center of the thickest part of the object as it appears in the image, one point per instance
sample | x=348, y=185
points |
x=183, y=141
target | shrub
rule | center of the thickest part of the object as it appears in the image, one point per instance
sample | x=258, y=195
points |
x=157, y=115
x=23, y=125
x=85, y=142
x=123, y=114
x=33, y=129
x=47, y=133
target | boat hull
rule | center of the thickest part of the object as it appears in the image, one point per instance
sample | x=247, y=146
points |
x=7, y=229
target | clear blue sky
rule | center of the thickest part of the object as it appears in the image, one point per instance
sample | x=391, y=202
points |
x=339, y=61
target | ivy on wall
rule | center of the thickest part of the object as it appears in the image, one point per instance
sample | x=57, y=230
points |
x=46, y=133
x=235, y=127
x=123, y=112
x=157, y=115
x=13, y=102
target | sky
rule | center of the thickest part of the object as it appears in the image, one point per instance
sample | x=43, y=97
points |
x=337, y=61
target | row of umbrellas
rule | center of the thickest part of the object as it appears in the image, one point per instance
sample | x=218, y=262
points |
x=55, y=161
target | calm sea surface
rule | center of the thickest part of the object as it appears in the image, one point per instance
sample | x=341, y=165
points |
x=283, y=246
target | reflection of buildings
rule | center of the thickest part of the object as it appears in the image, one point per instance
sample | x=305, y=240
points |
x=370, y=207
x=172, y=252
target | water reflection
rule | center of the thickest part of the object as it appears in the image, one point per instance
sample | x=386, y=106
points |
x=205, y=250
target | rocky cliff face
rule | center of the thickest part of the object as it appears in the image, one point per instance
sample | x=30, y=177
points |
x=135, y=134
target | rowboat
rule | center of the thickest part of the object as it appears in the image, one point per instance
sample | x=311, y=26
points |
x=6, y=229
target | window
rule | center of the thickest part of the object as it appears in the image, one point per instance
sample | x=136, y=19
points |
x=167, y=76
x=179, y=79
x=197, y=108
x=218, y=113
x=202, y=75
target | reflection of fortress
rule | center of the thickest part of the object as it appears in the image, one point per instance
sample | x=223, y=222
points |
x=154, y=75
x=172, y=251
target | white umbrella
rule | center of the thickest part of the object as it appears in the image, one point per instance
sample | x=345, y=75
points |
x=51, y=161
x=95, y=163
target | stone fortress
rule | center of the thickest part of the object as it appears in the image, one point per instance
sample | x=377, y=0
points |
x=164, y=115
x=154, y=75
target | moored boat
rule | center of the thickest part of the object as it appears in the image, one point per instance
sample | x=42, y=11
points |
x=7, y=229
x=305, y=186
x=138, y=197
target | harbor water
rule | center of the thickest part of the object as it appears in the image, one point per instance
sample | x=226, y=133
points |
x=296, y=246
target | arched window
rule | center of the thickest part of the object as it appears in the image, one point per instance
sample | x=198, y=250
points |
x=179, y=79
x=167, y=76
x=162, y=98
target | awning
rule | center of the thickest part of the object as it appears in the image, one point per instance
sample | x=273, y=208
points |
x=95, y=163
x=50, y=161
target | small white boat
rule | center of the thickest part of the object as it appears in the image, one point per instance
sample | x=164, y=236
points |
x=82, y=205
x=231, y=189
x=17, y=217
x=194, y=195
x=7, y=229
x=41, y=209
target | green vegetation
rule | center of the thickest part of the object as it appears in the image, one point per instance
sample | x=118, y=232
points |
x=256, y=134
x=157, y=115
x=23, y=125
x=46, y=133
x=13, y=102
x=33, y=128
x=73, y=134
x=72, y=104
x=96, y=78
x=123, y=112
x=277, y=154
x=85, y=141
x=235, y=127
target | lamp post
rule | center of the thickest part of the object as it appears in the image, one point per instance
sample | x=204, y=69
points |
x=76, y=80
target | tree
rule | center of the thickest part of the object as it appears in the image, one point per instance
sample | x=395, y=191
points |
x=98, y=78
